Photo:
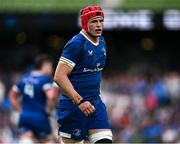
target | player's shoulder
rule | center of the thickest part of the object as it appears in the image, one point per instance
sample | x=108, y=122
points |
x=45, y=78
x=40, y=77
x=25, y=77
x=101, y=39
x=78, y=39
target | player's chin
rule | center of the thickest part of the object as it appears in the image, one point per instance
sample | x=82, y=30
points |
x=98, y=34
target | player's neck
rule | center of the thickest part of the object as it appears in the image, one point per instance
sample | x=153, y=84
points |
x=92, y=38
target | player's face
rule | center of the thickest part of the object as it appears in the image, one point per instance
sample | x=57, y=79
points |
x=95, y=26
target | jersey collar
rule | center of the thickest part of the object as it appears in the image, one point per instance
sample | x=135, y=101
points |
x=96, y=44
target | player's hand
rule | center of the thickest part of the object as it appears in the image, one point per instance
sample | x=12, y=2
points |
x=87, y=108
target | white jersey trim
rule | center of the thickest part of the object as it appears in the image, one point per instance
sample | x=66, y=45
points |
x=47, y=86
x=96, y=44
x=15, y=88
x=66, y=135
x=67, y=61
x=55, y=85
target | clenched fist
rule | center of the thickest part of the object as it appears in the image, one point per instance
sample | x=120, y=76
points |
x=87, y=108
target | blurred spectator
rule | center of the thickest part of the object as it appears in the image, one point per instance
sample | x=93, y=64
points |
x=150, y=130
x=170, y=136
x=172, y=82
x=2, y=91
x=6, y=134
x=143, y=108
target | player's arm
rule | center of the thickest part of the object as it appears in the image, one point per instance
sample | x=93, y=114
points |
x=57, y=92
x=51, y=99
x=13, y=97
x=51, y=91
x=62, y=80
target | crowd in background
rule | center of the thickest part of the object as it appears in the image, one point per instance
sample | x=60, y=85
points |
x=142, y=107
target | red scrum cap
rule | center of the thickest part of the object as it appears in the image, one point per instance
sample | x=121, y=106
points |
x=89, y=12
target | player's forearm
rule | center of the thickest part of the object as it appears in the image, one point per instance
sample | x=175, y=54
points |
x=14, y=101
x=67, y=88
x=15, y=104
x=50, y=106
x=51, y=103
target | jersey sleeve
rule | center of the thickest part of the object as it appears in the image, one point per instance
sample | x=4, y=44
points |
x=18, y=86
x=47, y=84
x=71, y=53
x=15, y=88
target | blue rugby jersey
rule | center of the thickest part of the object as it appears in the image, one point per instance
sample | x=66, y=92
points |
x=87, y=60
x=32, y=88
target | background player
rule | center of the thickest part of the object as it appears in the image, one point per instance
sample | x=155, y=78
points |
x=37, y=94
x=81, y=111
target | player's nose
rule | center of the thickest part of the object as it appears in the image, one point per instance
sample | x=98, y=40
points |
x=99, y=23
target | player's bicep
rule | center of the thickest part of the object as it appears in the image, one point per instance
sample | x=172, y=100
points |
x=13, y=97
x=14, y=92
x=62, y=69
x=50, y=93
x=49, y=89
x=61, y=75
